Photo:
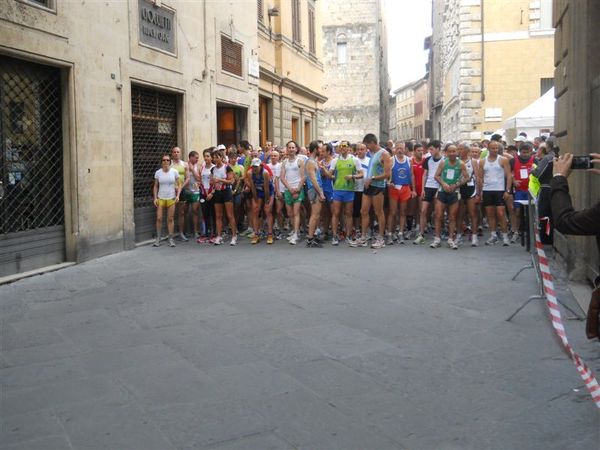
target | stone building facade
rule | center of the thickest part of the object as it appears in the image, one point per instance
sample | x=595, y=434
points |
x=489, y=59
x=577, y=118
x=291, y=71
x=356, y=75
x=88, y=107
x=404, y=105
x=421, y=122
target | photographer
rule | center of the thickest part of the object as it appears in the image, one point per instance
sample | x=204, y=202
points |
x=585, y=222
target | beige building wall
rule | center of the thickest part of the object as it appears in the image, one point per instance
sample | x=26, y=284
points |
x=405, y=108
x=421, y=111
x=97, y=47
x=291, y=73
x=577, y=118
x=492, y=55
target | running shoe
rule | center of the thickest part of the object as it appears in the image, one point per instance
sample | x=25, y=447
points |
x=233, y=240
x=218, y=240
x=270, y=239
x=335, y=240
x=419, y=240
x=360, y=242
x=348, y=240
x=255, y=239
x=452, y=244
x=479, y=231
x=294, y=239
x=156, y=242
x=474, y=240
x=183, y=237
x=437, y=242
x=401, y=238
x=492, y=240
x=515, y=238
x=505, y=240
x=459, y=238
x=378, y=243
x=389, y=239
x=171, y=242
x=247, y=232
x=196, y=236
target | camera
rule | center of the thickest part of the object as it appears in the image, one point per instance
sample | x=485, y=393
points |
x=582, y=163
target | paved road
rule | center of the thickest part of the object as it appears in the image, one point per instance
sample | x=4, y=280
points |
x=335, y=348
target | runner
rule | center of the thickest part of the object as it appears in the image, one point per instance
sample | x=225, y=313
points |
x=259, y=179
x=431, y=186
x=191, y=190
x=521, y=168
x=418, y=170
x=379, y=171
x=292, y=177
x=221, y=180
x=493, y=184
x=315, y=193
x=450, y=175
x=327, y=177
x=401, y=190
x=181, y=167
x=468, y=194
x=167, y=188
x=346, y=169
x=207, y=203
x=275, y=166
x=363, y=159
x=238, y=188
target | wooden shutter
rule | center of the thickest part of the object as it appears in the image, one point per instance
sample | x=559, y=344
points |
x=260, y=6
x=296, y=20
x=311, y=29
x=231, y=56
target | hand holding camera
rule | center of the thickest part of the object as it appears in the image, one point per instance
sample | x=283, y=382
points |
x=567, y=162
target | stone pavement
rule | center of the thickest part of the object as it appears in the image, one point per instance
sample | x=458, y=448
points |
x=288, y=347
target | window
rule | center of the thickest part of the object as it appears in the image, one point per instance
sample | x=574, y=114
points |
x=546, y=14
x=418, y=108
x=296, y=35
x=294, y=129
x=341, y=53
x=231, y=56
x=311, y=29
x=545, y=85
x=43, y=4
x=259, y=5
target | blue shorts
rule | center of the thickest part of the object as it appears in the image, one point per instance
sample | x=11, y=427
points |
x=261, y=194
x=343, y=196
x=520, y=195
x=328, y=195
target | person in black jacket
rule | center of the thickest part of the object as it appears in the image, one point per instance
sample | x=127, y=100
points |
x=585, y=222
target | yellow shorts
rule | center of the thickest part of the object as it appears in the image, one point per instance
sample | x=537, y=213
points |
x=166, y=202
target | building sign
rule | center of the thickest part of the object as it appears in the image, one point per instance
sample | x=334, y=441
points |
x=157, y=26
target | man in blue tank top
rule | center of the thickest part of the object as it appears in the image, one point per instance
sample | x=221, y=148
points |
x=379, y=171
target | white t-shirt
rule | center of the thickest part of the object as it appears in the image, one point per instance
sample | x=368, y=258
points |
x=205, y=174
x=276, y=169
x=364, y=167
x=292, y=173
x=166, y=183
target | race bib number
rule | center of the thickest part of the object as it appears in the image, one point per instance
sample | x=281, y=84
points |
x=450, y=173
x=524, y=173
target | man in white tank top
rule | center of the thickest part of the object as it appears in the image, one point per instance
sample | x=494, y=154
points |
x=292, y=177
x=493, y=186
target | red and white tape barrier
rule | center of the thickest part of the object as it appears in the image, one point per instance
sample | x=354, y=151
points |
x=585, y=373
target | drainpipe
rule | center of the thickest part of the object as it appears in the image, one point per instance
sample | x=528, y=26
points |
x=482, y=52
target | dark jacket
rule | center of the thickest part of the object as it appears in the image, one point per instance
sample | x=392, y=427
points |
x=568, y=221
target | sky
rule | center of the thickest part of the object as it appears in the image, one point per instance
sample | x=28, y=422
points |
x=408, y=24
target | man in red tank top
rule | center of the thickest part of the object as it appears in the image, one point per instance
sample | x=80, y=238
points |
x=521, y=168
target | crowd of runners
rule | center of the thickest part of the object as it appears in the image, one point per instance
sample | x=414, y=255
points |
x=361, y=194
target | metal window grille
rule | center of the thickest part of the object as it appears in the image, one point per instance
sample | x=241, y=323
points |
x=32, y=193
x=154, y=121
x=231, y=56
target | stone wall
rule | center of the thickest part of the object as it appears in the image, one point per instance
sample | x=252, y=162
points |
x=354, y=88
x=577, y=119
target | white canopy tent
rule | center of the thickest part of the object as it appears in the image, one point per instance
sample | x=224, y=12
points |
x=535, y=119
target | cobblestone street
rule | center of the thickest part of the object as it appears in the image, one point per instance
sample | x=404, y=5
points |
x=289, y=347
